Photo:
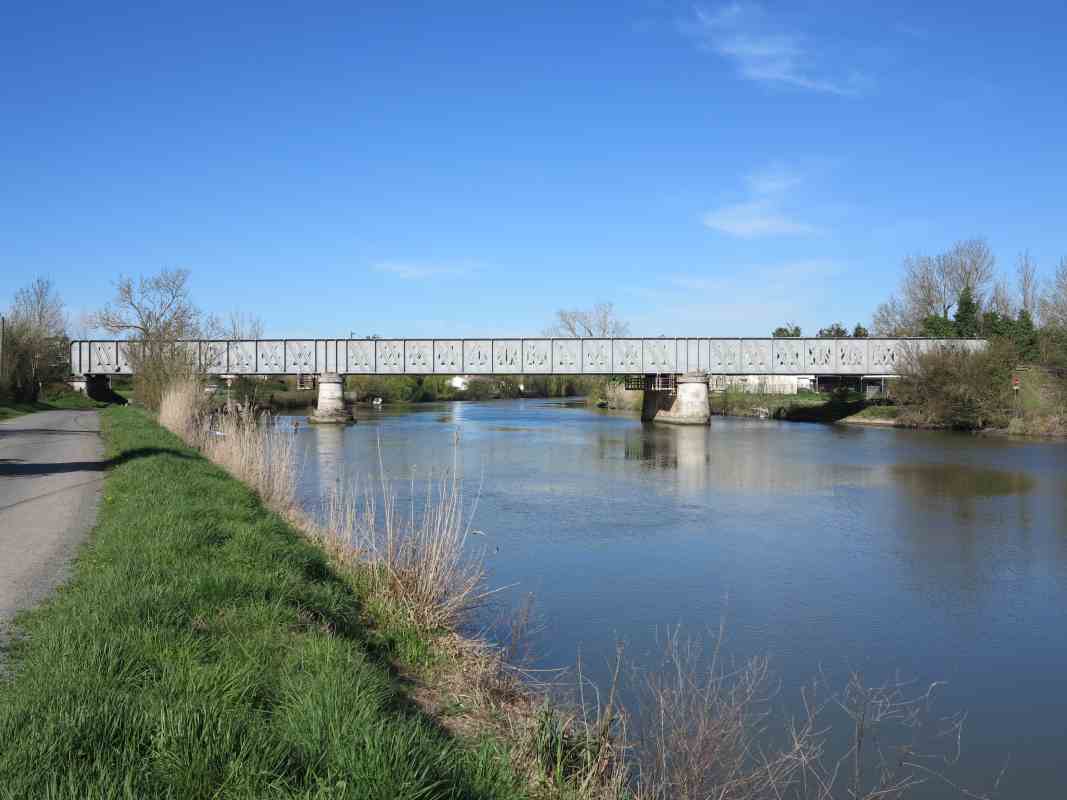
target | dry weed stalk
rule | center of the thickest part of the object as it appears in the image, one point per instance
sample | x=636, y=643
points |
x=704, y=728
x=422, y=551
x=708, y=733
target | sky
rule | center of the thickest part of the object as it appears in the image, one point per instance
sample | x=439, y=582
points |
x=466, y=169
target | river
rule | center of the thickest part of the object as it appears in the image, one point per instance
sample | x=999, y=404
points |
x=928, y=556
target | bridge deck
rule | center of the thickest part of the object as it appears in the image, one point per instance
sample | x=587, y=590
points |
x=527, y=356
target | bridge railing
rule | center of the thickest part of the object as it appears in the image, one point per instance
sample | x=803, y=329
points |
x=528, y=356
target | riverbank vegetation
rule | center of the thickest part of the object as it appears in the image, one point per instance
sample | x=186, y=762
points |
x=841, y=405
x=958, y=293
x=946, y=388
x=433, y=388
x=281, y=394
x=205, y=649
x=737, y=403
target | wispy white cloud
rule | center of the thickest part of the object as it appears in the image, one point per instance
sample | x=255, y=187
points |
x=743, y=299
x=413, y=271
x=767, y=276
x=763, y=213
x=762, y=49
x=773, y=180
x=754, y=219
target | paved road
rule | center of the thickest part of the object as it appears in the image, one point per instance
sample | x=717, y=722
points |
x=51, y=470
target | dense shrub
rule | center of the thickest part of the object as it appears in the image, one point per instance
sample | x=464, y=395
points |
x=1052, y=346
x=953, y=388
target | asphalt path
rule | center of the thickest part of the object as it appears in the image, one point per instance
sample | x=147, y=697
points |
x=51, y=471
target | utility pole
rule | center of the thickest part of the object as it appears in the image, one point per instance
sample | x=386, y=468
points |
x=3, y=324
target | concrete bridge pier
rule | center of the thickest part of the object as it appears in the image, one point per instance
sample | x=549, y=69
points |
x=330, y=408
x=688, y=405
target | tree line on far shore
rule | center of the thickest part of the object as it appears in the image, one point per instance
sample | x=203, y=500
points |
x=960, y=294
x=1018, y=381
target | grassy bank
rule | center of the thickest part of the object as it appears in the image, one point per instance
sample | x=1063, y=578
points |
x=50, y=402
x=886, y=415
x=205, y=649
x=800, y=407
x=751, y=404
x=1040, y=407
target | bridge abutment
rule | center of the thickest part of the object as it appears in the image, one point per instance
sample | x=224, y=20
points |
x=688, y=405
x=330, y=407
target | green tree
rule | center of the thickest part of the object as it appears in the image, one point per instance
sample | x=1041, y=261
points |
x=859, y=332
x=995, y=324
x=967, y=314
x=788, y=331
x=1026, y=337
x=936, y=326
x=835, y=331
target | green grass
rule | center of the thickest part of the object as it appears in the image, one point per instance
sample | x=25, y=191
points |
x=877, y=412
x=203, y=648
x=1040, y=406
x=62, y=400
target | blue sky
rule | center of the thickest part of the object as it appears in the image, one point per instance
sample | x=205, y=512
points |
x=466, y=169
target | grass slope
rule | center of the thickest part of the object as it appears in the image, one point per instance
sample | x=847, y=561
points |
x=204, y=649
x=65, y=400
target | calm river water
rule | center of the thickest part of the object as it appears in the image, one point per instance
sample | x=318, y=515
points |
x=927, y=556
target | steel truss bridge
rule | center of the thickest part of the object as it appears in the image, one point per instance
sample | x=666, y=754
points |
x=524, y=356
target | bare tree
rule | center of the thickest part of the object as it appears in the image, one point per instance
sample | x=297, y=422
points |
x=155, y=312
x=1054, y=301
x=598, y=321
x=237, y=326
x=928, y=286
x=1029, y=287
x=932, y=285
x=971, y=265
x=1001, y=301
x=891, y=318
x=36, y=332
x=156, y=308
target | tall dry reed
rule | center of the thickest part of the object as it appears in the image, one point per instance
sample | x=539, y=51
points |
x=250, y=447
x=182, y=410
x=421, y=550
